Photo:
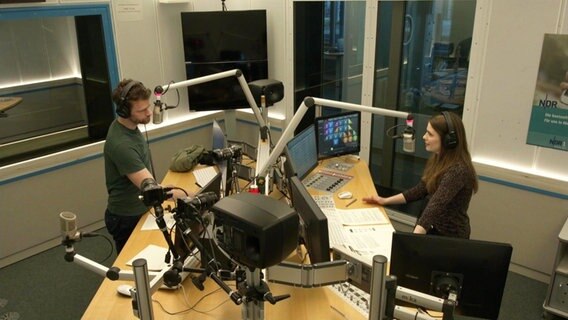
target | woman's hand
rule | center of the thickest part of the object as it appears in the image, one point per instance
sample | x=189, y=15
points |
x=419, y=229
x=375, y=200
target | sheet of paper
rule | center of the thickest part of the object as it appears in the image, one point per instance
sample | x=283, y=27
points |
x=331, y=214
x=154, y=256
x=337, y=233
x=370, y=240
x=150, y=222
x=362, y=216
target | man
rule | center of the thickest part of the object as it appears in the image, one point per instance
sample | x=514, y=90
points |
x=127, y=160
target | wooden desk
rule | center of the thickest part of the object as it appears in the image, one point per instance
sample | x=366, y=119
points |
x=7, y=103
x=314, y=303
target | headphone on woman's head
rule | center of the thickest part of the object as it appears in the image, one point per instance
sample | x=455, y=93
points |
x=123, y=109
x=450, y=139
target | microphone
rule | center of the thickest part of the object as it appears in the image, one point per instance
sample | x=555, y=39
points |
x=68, y=224
x=408, y=139
x=157, y=113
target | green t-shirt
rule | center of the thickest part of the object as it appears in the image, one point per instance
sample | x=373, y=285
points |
x=125, y=152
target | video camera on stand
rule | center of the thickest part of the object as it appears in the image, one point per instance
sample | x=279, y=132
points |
x=212, y=157
x=229, y=158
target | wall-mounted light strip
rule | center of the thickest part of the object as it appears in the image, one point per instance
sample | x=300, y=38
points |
x=522, y=170
x=17, y=86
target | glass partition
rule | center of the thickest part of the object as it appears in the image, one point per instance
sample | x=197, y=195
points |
x=58, y=67
x=328, y=52
x=421, y=66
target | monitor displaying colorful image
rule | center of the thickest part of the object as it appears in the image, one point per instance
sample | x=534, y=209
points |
x=338, y=134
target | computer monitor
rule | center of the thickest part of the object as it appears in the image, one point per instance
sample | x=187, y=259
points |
x=313, y=223
x=476, y=270
x=214, y=185
x=338, y=134
x=301, y=152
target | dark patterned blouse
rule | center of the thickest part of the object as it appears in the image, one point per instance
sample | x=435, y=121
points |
x=446, y=211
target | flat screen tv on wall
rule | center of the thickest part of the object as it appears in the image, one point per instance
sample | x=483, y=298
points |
x=216, y=41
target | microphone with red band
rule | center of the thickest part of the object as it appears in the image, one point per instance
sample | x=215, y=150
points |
x=408, y=136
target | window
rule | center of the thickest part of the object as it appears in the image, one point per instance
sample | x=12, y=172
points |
x=328, y=52
x=421, y=67
x=421, y=64
x=59, y=63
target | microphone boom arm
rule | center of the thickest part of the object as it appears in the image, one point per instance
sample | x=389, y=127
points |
x=299, y=115
x=216, y=76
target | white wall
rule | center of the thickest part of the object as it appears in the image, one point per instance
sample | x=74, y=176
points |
x=506, y=54
x=503, y=69
x=155, y=37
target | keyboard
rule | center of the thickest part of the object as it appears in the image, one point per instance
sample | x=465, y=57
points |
x=204, y=175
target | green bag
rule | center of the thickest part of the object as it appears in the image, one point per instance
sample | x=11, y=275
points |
x=187, y=158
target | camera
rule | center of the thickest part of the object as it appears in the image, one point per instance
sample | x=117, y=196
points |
x=215, y=156
x=187, y=207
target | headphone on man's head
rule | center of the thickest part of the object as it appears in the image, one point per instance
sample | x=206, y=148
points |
x=123, y=108
x=451, y=138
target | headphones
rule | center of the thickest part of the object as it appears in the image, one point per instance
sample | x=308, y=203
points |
x=451, y=138
x=123, y=108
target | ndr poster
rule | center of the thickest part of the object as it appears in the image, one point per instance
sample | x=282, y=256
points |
x=548, y=125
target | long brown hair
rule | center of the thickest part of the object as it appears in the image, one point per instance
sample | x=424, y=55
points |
x=439, y=163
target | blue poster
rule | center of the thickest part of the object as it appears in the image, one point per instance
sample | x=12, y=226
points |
x=548, y=125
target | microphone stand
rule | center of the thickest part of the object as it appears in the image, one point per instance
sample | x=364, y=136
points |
x=161, y=222
x=210, y=268
x=251, y=290
x=146, y=283
x=235, y=187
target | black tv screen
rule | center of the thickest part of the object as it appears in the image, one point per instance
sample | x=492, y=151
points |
x=216, y=41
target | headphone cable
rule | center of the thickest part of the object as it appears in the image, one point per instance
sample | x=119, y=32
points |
x=149, y=153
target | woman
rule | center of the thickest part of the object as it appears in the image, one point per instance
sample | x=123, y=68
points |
x=449, y=180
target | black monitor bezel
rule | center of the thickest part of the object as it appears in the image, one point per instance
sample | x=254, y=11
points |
x=417, y=259
x=293, y=165
x=340, y=153
x=313, y=221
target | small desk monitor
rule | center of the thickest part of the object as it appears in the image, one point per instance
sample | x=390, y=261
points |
x=338, y=134
x=313, y=223
x=476, y=270
x=301, y=152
